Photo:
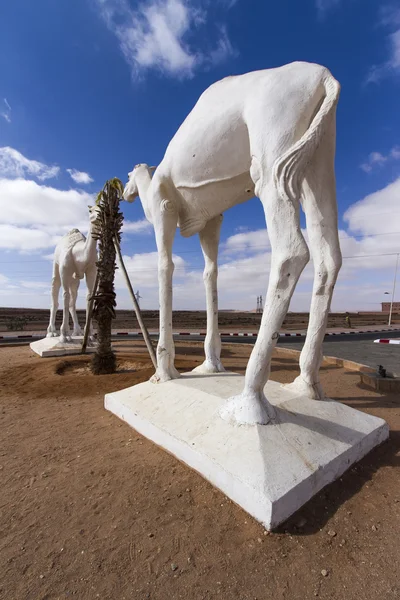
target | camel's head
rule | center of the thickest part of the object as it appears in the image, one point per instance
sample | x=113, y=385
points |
x=131, y=190
x=94, y=214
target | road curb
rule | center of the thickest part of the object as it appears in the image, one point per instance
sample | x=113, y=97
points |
x=253, y=334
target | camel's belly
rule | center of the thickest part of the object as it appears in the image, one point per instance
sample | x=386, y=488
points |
x=199, y=205
x=211, y=145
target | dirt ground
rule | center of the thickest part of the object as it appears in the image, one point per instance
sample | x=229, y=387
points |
x=90, y=509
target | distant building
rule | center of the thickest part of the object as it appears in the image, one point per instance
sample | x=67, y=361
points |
x=386, y=307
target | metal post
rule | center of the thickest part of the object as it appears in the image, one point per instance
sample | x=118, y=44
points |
x=90, y=312
x=394, y=288
x=143, y=328
x=138, y=298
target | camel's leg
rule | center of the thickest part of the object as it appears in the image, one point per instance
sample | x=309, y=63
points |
x=165, y=223
x=65, y=331
x=289, y=255
x=55, y=290
x=90, y=276
x=319, y=203
x=73, y=291
x=209, y=240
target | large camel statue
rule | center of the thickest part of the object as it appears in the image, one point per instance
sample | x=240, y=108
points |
x=271, y=134
x=75, y=257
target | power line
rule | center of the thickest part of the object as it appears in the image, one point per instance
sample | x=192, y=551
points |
x=200, y=269
x=349, y=237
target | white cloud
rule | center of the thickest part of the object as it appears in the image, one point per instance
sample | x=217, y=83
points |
x=25, y=202
x=323, y=6
x=15, y=164
x=18, y=295
x=390, y=17
x=377, y=213
x=223, y=50
x=80, y=176
x=5, y=111
x=36, y=285
x=156, y=35
x=143, y=270
x=376, y=159
x=249, y=240
x=142, y=226
x=33, y=216
x=24, y=239
x=368, y=248
x=368, y=245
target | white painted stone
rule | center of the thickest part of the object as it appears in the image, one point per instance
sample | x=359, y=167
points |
x=75, y=257
x=269, y=133
x=53, y=347
x=270, y=471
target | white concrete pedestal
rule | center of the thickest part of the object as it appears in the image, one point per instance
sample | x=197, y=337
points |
x=53, y=347
x=269, y=470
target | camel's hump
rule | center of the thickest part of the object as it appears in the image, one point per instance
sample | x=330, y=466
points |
x=71, y=238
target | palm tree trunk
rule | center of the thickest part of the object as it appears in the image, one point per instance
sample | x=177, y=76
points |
x=104, y=360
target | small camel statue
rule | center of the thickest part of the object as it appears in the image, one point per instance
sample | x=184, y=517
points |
x=75, y=257
x=272, y=134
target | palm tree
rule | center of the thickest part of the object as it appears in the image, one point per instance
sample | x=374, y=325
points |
x=104, y=360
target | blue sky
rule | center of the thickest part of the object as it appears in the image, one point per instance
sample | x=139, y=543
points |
x=88, y=88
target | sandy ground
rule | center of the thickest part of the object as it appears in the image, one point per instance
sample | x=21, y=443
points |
x=90, y=509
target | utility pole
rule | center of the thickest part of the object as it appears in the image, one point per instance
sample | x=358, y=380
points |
x=138, y=297
x=261, y=305
x=394, y=288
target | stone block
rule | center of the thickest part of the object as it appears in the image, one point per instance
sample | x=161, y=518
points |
x=269, y=470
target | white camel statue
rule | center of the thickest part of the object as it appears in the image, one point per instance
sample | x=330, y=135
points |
x=271, y=134
x=75, y=257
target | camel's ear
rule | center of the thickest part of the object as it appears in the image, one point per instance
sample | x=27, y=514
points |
x=152, y=169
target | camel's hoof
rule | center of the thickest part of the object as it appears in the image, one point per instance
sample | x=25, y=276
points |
x=51, y=334
x=208, y=367
x=163, y=376
x=77, y=333
x=248, y=409
x=64, y=339
x=300, y=387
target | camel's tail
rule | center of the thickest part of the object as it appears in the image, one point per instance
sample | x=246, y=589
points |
x=289, y=169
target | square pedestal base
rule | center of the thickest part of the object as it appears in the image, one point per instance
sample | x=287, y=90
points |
x=269, y=470
x=53, y=347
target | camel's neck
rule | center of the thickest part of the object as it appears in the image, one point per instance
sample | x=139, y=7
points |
x=143, y=181
x=90, y=246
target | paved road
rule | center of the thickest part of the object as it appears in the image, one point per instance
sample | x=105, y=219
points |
x=364, y=352
x=359, y=347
